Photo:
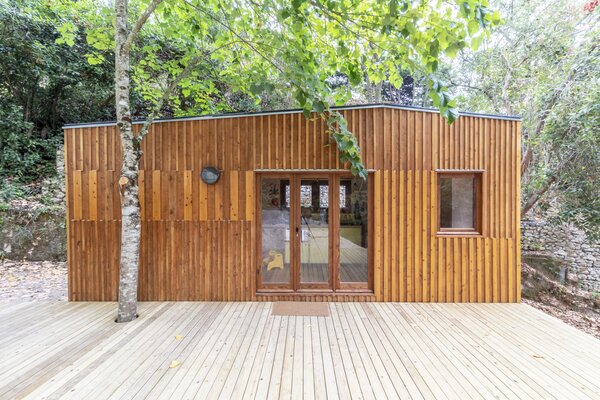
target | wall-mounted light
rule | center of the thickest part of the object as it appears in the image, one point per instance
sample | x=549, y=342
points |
x=210, y=175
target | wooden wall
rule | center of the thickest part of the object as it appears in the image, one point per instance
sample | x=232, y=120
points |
x=197, y=240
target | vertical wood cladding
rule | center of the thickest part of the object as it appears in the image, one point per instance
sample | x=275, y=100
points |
x=197, y=239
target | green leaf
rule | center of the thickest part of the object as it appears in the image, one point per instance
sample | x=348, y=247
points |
x=94, y=58
x=465, y=9
x=473, y=27
x=452, y=50
x=450, y=114
x=319, y=106
x=476, y=42
x=354, y=74
x=66, y=33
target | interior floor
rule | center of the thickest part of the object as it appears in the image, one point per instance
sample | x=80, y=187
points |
x=351, y=272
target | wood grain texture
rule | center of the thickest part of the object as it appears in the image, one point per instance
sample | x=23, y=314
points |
x=198, y=240
x=240, y=350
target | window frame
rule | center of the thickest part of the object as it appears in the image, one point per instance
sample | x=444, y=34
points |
x=477, y=176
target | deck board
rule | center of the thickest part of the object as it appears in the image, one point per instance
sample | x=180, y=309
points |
x=240, y=350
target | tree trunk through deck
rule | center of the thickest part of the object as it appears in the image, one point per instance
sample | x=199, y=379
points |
x=128, y=182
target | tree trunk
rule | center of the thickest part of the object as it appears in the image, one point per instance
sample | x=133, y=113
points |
x=128, y=182
x=378, y=92
x=527, y=158
x=373, y=92
x=535, y=197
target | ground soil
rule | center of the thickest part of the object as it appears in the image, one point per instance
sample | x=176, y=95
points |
x=565, y=301
x=33, y=281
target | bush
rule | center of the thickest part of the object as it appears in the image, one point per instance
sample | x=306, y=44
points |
x=23, y=156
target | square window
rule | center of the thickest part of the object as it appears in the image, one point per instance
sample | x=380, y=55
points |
x=459, y=202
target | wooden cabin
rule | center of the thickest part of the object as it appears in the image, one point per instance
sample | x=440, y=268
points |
x=437, y=219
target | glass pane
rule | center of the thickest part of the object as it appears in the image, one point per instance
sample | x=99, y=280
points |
x=305, y=196
x=343, y=203
x=457, y=205
x=275, y=231
x=354, y=260
x=324, y=195
x=314, y=233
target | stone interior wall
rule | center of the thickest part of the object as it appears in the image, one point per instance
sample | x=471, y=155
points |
x=564, y=243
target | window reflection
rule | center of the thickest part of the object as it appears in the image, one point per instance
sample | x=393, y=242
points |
x=354, y=225
x=314, y=223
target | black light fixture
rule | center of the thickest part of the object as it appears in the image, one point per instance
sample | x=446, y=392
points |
x=210, y=175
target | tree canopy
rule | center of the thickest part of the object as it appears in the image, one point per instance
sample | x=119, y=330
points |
x=543, y=63
x=42, y=86
x=293, y=48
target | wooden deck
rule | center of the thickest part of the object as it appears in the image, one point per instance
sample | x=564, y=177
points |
x=239, y=350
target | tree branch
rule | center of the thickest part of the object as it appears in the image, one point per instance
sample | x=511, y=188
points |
x=166, y=94
x=106, y=101
x=527, y=158
x=538, y=194
x=171, y=89
x=544, y=113
x=535, y=197
x=507, y=81
x=139, y=24
x=471, y=87
x=237, y=35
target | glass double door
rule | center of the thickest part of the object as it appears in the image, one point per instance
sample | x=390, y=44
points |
x=300, y=233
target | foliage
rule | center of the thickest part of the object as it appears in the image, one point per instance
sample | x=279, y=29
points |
x=54, y=71
x=24, y=155
x=291, y=48
x=42, y=86
x=571, y=141
x=543, y=64
x=9, y=191
x=57, y=61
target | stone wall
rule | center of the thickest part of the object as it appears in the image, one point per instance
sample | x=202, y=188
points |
x=34, y=228
x=53, y=188
x=564, y=243
x=33, y=235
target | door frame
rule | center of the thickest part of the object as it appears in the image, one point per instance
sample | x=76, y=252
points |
x=295, y=286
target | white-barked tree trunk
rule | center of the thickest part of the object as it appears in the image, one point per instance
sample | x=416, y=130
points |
x=128, y=181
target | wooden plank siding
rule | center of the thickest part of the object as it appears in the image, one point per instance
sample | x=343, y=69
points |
x=197, y=240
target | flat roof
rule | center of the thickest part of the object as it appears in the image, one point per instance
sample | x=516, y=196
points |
x=293, y=111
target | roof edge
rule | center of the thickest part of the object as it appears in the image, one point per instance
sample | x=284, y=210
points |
x=295, y=111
